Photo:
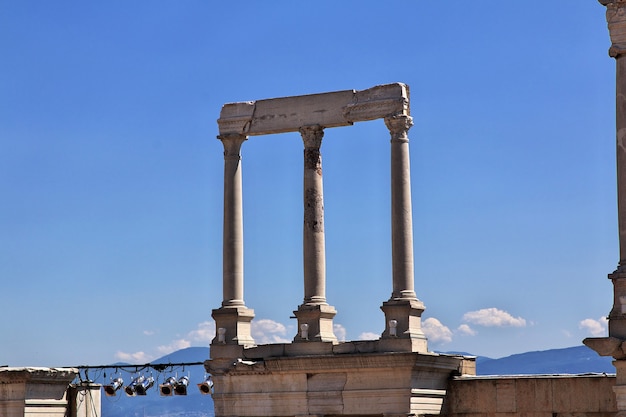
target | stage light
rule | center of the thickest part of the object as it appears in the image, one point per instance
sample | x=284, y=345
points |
x=115, y=385
x=206, y=387
x=181, y=386
x=131, y=389
x=144, y=385
x=167, y=388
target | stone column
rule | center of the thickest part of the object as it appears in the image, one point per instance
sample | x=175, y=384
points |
x=233, y=316
x=616, y=18
x=614, y=345
x=314, y=314
x=403, y=307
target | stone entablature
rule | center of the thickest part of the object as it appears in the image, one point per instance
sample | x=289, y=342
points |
x=334, y=109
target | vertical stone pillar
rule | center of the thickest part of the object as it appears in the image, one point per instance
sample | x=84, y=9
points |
x=613, y=345
x=403, y=309
x=314, y=314
x=616, y=18
x=233, y=317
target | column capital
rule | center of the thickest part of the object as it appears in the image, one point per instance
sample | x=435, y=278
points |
x=399, y=126
x=232, y=144
x=312, y=136
x=616, y=19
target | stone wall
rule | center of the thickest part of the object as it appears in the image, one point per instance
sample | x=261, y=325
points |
x=46, y=392
x=533, y=396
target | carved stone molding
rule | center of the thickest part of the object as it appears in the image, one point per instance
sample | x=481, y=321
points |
x=399, y=127
x=616, y=19
x=312, y=136
x=232, y=145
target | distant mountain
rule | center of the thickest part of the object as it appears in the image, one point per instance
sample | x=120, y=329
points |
x=573, y=360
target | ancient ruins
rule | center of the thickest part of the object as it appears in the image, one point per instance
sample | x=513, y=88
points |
x=315, y=374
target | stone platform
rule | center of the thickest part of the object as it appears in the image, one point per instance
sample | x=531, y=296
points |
x=322, y=378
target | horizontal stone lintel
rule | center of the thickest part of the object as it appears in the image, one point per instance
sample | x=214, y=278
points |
x=334, y=109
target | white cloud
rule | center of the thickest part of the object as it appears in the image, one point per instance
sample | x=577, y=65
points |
x=175, y=345
x=369, y=336
x=435, y=331
x=137, y=357
x=493, y=317
x=148, y=332
x=205, y=332
x=466, y=330
x=594, y=327
x=266, y=331
x=340, y=332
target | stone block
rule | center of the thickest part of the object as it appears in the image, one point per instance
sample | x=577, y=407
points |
x=333, y=109
x=264, y=351
x=309, y=348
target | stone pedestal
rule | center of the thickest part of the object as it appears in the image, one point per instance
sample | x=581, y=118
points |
x=617, y=316
x=408, y=336
x=319, y=322
x=235, y=322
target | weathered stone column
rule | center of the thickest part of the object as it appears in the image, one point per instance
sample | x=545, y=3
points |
x=614, y=345
x=314, y=313
x=233, y=317
x=403, y=309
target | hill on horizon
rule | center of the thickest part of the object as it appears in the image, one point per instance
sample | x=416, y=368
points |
x=572, y=360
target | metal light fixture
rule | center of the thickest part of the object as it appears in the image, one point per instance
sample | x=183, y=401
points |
x=181, y=386
x=206, y=387
x=144, y=385
x=167, y=388
x=112, y=388
x=131, y=389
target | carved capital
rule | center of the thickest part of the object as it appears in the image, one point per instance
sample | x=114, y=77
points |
x=616, y=19
x=312, y=136
x=232, y=145
x=399, y=126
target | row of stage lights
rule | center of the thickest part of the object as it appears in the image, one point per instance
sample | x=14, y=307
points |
x=172, y=386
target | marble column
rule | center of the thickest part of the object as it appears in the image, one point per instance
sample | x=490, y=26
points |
x=314, y=315
x=614, y=345
x=403, y=309
x=233, y=316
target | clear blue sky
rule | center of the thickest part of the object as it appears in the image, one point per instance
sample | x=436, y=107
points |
x=111, y=176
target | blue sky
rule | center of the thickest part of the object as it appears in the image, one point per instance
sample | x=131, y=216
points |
x=111, y=176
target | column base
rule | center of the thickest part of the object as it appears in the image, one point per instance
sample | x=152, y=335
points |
x=617, y=316
x=236, y=324
x=408, y=331
x=319, y=319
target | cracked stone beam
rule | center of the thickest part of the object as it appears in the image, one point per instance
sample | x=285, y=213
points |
x=289, y=114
